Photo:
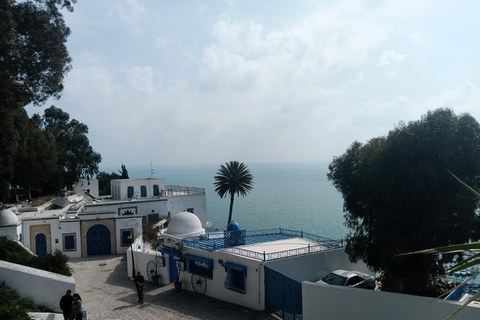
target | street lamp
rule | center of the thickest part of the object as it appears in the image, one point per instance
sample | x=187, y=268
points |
x=130, y=237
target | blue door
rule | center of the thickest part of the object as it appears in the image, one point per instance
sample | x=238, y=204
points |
x=98, y=240
x=41, y=243
x=173, y=268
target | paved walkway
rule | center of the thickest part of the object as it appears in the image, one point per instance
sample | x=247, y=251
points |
x=108, y=294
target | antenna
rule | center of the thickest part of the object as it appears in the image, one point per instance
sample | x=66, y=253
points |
x=152, y=171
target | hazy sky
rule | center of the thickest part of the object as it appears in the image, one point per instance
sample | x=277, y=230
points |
x=205, y=82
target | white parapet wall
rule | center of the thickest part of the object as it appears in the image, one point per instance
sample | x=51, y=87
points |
x=322, y=301
x=43, y=287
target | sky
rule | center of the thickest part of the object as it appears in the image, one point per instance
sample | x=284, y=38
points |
x=206, y=82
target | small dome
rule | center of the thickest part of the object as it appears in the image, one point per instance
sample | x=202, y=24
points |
x=184, y=223
x=8, y=217
x=233, y=226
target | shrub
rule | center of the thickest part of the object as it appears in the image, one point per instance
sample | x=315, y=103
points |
x=13, y=252
x=13, y=307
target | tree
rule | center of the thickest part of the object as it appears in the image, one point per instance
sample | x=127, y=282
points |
x=123, y=172
x=233, y=178
x=33, y=63
x=399, y=197
x=34, y=54
x=74, y=154
x=104, y=179
x=35, y=159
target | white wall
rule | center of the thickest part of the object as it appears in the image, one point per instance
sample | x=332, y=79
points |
x=9, y=231
x=344, y=303
x=119, y=187
x=127, y=222
x=57, y=229
x=198, y=201
x=42, y=287
x=254, y=298
x=67, y=227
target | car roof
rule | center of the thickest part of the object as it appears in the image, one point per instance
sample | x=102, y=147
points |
x=348, y=274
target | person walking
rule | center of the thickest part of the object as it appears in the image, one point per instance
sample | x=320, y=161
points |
x=139, y=280
x=77, y=307
x=66, y=304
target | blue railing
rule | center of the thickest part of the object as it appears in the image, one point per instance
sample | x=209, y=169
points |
x=216, y=241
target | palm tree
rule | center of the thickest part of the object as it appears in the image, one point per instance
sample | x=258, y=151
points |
x=233, y=177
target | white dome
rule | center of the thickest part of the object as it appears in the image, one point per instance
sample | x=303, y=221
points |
x=8, y=217
x=184, y=223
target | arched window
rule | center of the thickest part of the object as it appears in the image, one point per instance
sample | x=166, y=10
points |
x=156, y=190
x=129, y=192
x=143, y=191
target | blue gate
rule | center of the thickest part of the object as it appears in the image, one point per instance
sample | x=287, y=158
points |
x=98, y=240
x=283, y=295
x=173, y=268
x=41, y=243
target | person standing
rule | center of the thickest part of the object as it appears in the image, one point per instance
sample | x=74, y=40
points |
x=139, y=280
x=77, y=307
x=66, y=304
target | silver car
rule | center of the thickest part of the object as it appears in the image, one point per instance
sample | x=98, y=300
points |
x=352, y=279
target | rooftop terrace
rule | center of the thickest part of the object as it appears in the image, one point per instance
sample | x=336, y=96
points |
x=266, y=244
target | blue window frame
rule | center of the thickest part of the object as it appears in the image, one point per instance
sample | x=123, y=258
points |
x=126, y=236
x=199, y=265
x=156, y=190
x=129, y=192
x=236, y=277
x=143, y=191
x=69, y=242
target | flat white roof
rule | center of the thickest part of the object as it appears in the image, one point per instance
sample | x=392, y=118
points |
x=279, y=245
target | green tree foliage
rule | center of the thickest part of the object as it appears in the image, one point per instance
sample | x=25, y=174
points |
x=104, y=187
x=399, y=197
x=13, y=252
x=35, y=160
x=34, y=54
x=123, y=172
x=74, y=154
x=13, y=307
x=33, y=62
x=233, y=178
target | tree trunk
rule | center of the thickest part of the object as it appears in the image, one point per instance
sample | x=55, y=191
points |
x=231, y=209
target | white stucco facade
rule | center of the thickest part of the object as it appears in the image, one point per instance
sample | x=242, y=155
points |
x=43, y=287
x=150, y=197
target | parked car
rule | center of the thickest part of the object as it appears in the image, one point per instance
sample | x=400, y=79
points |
x=352, y=279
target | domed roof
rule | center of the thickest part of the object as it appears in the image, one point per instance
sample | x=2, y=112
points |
x=233, y=226
x=8, y=217
x=184, y=223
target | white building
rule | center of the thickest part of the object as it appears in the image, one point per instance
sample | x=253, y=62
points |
x=83, y=224
x=232, y=265
x=151, y=198
x=277, y=270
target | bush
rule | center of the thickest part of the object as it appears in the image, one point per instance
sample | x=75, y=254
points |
x=13, y=307
x=13, y=252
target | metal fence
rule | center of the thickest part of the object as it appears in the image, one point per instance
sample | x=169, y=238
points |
x=216, y=241
x=172, y=190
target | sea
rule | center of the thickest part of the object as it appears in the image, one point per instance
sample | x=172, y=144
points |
x=295, y=196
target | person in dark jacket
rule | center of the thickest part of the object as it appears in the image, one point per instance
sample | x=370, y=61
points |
x=139, y=280
x=66, y=304
x=77, y=306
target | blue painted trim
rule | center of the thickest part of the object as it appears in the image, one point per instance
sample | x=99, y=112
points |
x=199, y=259
x=170, y=252
x=235, y=267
